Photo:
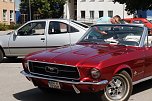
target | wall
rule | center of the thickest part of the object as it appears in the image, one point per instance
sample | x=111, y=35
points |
x=8, y=6
x=96, y=6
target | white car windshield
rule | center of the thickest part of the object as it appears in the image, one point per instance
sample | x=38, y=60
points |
x=114, y=34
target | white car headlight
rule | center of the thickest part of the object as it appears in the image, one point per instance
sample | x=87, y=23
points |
x=95, y=73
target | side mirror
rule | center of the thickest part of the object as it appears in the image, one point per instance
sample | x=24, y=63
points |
x=15, y=33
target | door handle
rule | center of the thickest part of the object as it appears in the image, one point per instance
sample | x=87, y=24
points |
x=42, y=38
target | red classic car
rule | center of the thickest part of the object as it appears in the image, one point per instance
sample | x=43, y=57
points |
x=144, y=21
x=108, y=60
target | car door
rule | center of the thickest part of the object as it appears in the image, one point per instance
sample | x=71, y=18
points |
x=57, y=34
x=29, y=38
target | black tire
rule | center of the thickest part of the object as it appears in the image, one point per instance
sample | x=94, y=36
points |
x=1, y=55
x=119, y=88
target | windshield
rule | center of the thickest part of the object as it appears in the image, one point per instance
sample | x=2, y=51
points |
x=114, y=34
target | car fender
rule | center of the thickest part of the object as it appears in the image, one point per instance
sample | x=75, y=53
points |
x=123, y=67
x=4, y=43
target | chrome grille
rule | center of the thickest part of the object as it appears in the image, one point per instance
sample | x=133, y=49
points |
x=53, y=70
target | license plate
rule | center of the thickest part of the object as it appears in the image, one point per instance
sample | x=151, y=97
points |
x=53, y=84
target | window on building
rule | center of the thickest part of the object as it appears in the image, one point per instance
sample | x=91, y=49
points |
x=110, y=13
x=75, y=2
x=11, y=0
x=82, y=14
x=110, y=0
x=11, y=15
x=83, y=1
x=92, y=0
x=4, y=15
x=101, y=0
x=75, y=14
x=100, y=14
x=92, y=14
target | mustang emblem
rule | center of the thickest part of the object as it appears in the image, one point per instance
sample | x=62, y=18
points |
x=51, y=69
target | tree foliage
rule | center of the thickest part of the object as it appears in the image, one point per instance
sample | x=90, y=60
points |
x=45, y=8
x=133, y=5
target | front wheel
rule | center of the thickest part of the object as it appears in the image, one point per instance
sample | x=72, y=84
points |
x=1, y=56
x=119, y=88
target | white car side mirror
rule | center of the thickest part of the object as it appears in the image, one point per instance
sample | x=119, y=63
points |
x=15, y=33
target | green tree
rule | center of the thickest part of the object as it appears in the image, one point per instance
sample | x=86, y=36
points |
x=133, y=5
x=45, y=8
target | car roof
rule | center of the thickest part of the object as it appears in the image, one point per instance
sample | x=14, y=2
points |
x=55, y=19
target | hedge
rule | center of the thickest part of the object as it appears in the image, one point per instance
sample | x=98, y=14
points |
x=4, y=27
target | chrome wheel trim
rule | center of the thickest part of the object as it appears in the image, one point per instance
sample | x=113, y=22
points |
x=117, y=89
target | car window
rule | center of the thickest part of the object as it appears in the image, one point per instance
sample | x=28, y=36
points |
x=72, y=29
x=33, y=28
x=57, y=27
x=80, y=24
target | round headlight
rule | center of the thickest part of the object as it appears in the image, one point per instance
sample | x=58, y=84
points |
x=95, y=73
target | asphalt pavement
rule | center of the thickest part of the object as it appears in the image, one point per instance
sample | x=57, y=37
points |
x=5, y=32
x=15, y=87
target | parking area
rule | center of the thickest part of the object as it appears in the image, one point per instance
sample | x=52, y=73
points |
x=5, y=32
x=15, y=87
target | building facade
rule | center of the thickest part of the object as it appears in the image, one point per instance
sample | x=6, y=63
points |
x=91, y=10
x=7, y=11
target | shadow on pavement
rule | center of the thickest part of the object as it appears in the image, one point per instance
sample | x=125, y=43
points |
x=12, y=60
x=142, y=86
x=37, y=95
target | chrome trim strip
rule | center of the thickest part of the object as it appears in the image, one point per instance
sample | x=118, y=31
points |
x=145, y=79
x=76, y=89
x=64, y=81
x=51, y=63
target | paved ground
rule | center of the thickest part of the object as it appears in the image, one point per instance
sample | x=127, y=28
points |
x=15, y=87
x=5, y=32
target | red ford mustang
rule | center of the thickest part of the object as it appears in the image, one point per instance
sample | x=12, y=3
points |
x=108, y=59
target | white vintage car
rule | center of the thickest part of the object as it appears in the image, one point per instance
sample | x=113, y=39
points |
x=39, y=35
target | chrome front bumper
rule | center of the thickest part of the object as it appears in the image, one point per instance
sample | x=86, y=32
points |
x=103, y=82
x=73, y=83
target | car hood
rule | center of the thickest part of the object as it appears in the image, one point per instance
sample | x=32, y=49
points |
x=81, y=55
